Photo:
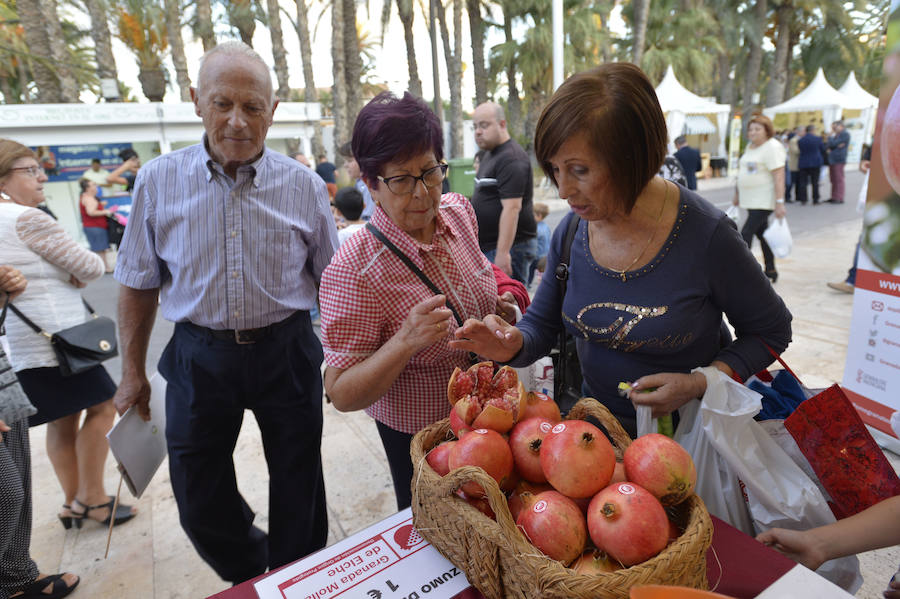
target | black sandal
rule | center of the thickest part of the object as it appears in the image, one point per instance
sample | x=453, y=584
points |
x=58, y=590
x=123, y=513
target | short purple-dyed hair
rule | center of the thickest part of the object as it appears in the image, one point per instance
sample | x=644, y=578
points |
x=391, y=129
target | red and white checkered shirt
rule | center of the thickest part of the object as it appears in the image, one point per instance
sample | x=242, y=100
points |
x=366, y=293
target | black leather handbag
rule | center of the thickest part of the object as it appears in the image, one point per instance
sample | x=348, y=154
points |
x=567, y=375
x=83, y=346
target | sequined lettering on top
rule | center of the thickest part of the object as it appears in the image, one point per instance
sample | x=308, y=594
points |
x=615, y=333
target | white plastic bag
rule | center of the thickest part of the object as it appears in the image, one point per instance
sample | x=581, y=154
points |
x=734, y=213
x=778, y=236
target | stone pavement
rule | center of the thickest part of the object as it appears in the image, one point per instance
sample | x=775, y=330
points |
x=151, y=558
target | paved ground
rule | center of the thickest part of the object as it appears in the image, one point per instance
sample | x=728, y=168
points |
x=152, y=559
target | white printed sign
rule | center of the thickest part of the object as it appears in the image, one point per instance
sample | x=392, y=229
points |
x=387, y=561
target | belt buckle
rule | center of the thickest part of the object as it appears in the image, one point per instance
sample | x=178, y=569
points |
x=244, y=336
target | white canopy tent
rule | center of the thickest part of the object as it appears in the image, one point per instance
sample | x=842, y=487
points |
x=818, y=95
x=682, y=108
x=860, y=99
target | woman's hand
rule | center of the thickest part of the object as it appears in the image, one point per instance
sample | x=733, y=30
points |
x=506, y=307
x=76, y=283
x=665, y=392
x=12, y=281
x=427, y=322
x=4, y=428
x=492, y=338
x=780, y=210
x=802, y=546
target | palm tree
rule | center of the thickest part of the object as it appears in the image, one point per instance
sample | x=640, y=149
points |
x=503, y=58
x=173, y=30
x=106, y=61
x=352, y=62
x=48, y=86
x=784, y=15
x=202, y=24
x=406, y=12
x=753, y=38
x=141, y=27
x=476, y=31
x=59, y=52
x=641, y=14
x=310, y=94
x=339, y=89
x=14, y=77
x=278, y=52
x=242, y=16
x=453, y=57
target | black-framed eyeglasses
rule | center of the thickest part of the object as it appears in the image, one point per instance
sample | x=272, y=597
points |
x=404, y=184
x=34, y=171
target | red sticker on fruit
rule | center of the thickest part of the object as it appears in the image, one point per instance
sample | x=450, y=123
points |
x=558, y=428
x=625, y=489
x=540, y=506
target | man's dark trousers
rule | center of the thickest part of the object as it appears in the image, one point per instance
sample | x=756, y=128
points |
x=808, y=176
x=211, y=381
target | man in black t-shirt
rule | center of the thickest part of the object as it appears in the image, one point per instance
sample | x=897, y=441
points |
x=507, y=232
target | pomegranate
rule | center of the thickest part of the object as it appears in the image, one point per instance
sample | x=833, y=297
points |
x=483, y=399
x=662, y=466
x=486, y=449
x=479, y=503
x=618, y=474
x=555, y=525
x=594, y=561
x=457, y=425
x=438, y=458
x=577, y=459
x=525, y=443
x=628, y=523
x=536, y=404
x=523, y=496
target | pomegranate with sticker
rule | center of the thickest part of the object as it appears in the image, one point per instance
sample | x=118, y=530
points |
x=489, y=451
x=628, y=523
x=555, y=525
x=577, y=458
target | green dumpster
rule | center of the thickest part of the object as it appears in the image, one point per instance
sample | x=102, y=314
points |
x=462, y=176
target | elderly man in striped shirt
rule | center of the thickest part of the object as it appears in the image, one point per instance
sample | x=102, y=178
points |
x=233, y=239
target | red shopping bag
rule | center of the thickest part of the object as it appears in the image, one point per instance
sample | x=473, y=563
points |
x=842, y=453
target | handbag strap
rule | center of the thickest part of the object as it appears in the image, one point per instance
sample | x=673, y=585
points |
x=783, y=363
x=31, y=324
x=376, y=232
x=562, y=275
x=3, y=313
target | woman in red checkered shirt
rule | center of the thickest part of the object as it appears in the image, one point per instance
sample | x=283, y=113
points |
x=384, y=331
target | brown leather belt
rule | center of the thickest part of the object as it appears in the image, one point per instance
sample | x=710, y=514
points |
x=248, y=336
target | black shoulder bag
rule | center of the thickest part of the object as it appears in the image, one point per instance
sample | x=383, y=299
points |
x=14, y=404
x=83, y=346
x=567, y=375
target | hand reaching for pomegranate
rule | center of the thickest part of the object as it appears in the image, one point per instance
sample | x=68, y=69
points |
x=506, y=307
x=670, y=391
x=493, y=338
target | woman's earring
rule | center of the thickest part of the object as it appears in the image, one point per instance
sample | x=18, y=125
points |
x=4, y=196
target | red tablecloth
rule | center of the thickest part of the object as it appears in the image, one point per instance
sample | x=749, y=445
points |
x=737, y=565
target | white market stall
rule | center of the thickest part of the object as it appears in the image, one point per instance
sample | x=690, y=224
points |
x=818, y=96
x=149, y=128
x=687, y=113
x=862, y=127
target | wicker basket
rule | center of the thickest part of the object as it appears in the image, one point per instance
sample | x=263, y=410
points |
x=500, y=562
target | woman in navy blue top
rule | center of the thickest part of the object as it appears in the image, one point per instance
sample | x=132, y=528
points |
x=653, y=266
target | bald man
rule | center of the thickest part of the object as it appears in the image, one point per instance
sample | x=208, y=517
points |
x=232, y=238
x=507, y=232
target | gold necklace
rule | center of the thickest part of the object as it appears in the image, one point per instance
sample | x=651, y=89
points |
x=622, y=272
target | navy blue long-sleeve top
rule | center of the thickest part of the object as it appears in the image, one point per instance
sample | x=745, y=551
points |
x=666, y=316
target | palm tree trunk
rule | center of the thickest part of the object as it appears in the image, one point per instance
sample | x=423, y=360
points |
x=352, y=63
x=39, y=45
x=68, y=87
x=310, y=94
x=535, y=105
x=406, y=12
x=204, y=26
x=278, y=52
x=513, y=103
x=240, y=16
x=726, y=83
x=476, y=28
x=339, y=89
x=641, y=15
x=106, y=61
x=454, y=71
x=176, y=43
x=778, y=79
x=753, y=39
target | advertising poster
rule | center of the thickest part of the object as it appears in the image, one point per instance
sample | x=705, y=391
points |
x=872, y=370
x=67, y=163
x=734, y=145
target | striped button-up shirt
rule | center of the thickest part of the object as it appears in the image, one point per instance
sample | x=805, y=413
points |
x=227, y=254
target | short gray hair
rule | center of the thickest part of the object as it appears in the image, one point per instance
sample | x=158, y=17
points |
x=235, y=48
